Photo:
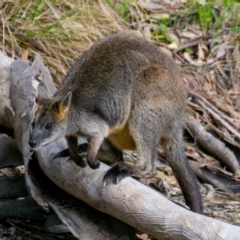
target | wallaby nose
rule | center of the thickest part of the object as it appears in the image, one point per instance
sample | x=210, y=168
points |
x=32, y=144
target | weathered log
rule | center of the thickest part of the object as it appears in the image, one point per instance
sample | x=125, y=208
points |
x=22, y=209
x=4, y=88
x=130, y=201
x=13, y=187
x=214, y=146
x=10, y=156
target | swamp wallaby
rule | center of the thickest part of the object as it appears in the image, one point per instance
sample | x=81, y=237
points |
x=127, y=90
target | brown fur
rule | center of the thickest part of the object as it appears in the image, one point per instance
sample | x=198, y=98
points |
x=128, y=90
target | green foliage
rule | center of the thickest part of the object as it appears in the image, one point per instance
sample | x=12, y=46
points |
x=212, y=16
x=121, y=7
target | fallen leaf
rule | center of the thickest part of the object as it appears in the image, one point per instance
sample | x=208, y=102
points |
x=222, y=51
x=190, y=35
x=160, y=15
x=201, y=55
x=170, y=34
x=25, y=55
x=173, y=45
x=187, y=57
x=143, y=236
x=150, y=5
x=202, y=2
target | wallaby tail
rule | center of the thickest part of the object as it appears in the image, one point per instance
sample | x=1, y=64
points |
x=176, y=157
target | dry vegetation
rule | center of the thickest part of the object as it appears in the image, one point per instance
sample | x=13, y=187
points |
x=202, y=36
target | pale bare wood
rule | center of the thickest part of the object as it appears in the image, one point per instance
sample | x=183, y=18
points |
x=130, y=201
x=4, y=88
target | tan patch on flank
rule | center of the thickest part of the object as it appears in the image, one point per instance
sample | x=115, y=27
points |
x=122, y=138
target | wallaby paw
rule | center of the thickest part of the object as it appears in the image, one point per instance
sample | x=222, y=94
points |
x=94, y=164
x=115, y=174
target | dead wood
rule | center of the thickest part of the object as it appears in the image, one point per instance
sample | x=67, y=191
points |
x=216, y=114
x=10, y=156
x=22, y=209
x=216, y=177
x=214, y=146
x=4, y=88
x=130, y=201
x=13, y=187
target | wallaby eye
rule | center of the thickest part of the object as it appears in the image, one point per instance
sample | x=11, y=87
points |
x=48, y=126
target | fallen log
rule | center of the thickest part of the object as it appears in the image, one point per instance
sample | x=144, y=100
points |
x=21, y=209
x=130, y=201
x=13, y=187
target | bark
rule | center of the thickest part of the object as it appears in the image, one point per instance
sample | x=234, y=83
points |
x=10, y=156
x=214, y=146
x=4, y=88
x=22, y=209
x=13, y=187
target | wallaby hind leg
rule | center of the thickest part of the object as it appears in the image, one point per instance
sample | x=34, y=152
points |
x=146, y=138
x=72, y=141
x=175, y=156
x=145, y=132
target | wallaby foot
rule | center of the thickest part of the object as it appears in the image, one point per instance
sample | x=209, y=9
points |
x=117, y=172
x=146, y=171
x=120, y=170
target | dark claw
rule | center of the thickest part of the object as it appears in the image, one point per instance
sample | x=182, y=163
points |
x=63, y=153
x=80, y=162
x=116, y=173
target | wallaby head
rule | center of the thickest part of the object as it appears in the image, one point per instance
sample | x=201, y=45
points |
x=50, y=119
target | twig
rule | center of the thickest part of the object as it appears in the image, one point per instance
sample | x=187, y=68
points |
x=214, y=146
x=215, y=113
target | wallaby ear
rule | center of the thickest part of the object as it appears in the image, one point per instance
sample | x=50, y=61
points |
x=62, y=106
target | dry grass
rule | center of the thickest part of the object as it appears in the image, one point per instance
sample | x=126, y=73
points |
x=59, y=30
